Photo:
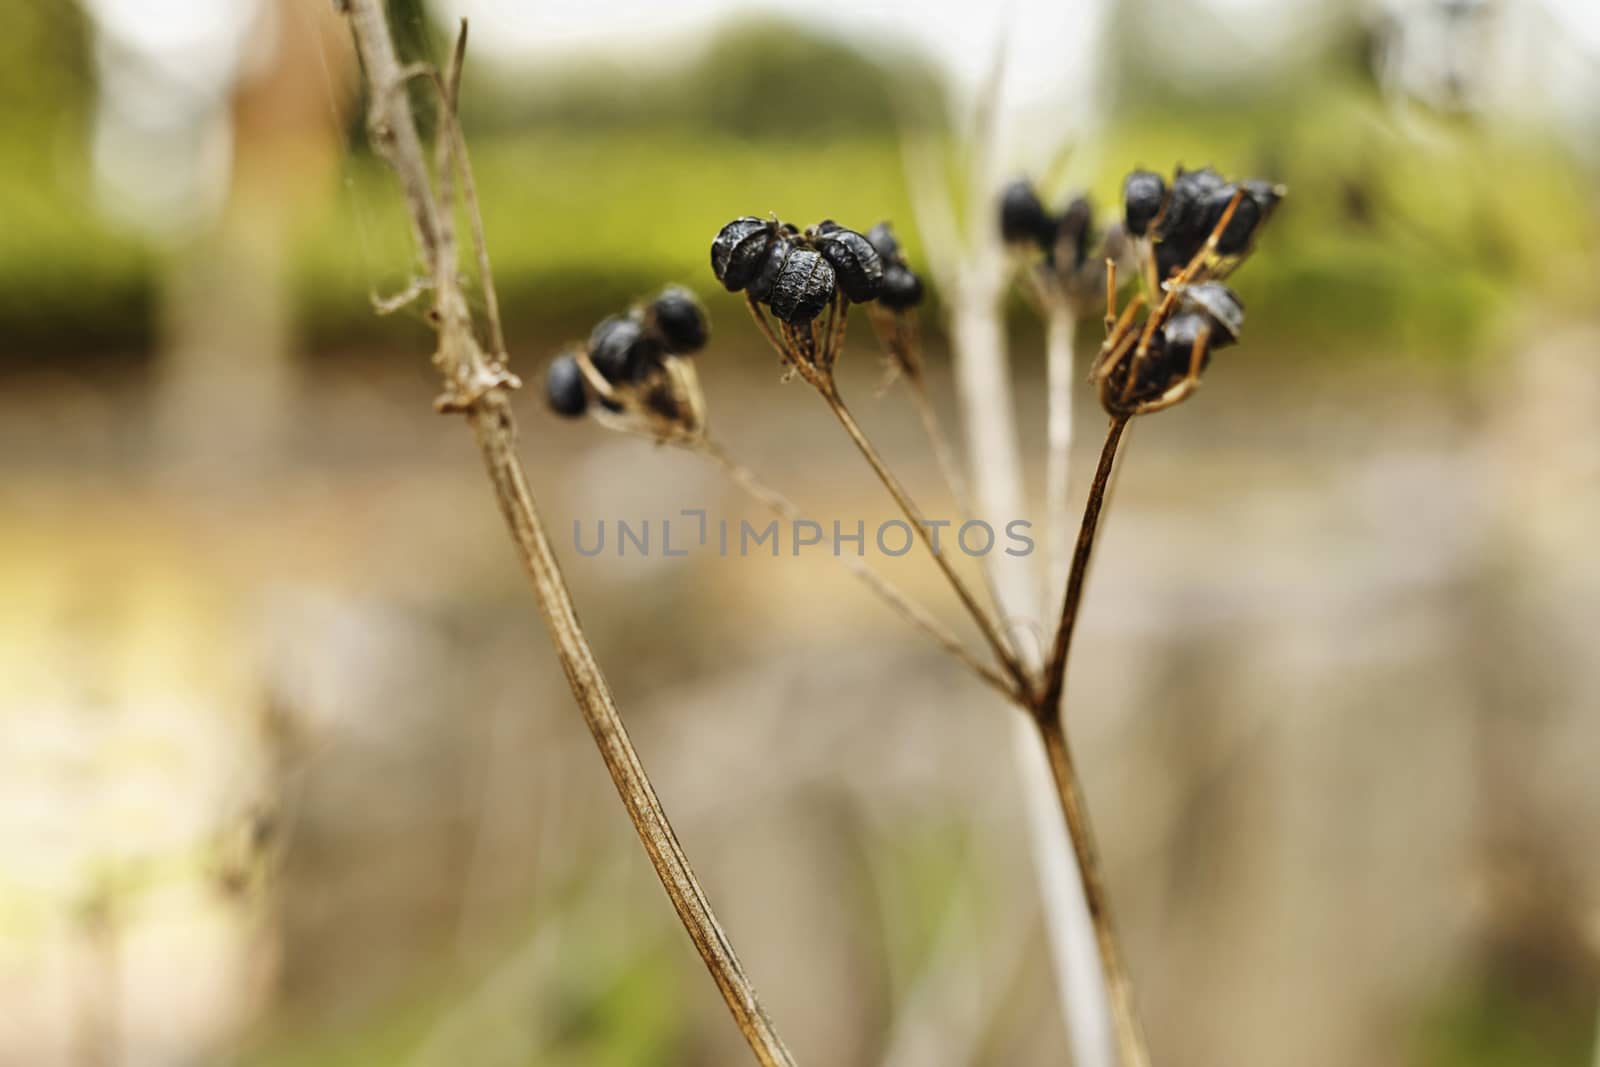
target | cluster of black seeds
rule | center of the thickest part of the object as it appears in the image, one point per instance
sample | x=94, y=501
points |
x=1064, y=237
x=1180, y=218
x=1187, y=236
x=626, y=350
x=796, y=274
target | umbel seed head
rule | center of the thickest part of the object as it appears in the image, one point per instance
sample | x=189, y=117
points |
x=679, y=321
x=777, y=266
x=564, y=387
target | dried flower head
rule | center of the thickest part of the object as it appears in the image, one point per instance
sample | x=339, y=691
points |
x=634, y=374
x=1057, y=255
x=564, y=387
x=798, y=276
x=1186, y=236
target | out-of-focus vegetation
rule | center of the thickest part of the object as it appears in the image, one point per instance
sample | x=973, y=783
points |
x=595, y=189
x=1294, y=698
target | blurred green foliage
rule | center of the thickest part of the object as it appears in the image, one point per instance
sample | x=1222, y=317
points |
x=762, y=79
x=1494, y=1023
x=599, y=186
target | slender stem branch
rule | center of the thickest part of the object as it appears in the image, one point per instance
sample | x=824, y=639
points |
x=1132, y=1049
x=1049, y=720
x=898, y=602
x=477, y=385
x=986, y=622
x=1056, y=669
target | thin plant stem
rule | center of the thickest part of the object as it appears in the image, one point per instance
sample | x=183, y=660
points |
x=898, y=602
x=986, y=622
x=1056, y=668
x=1048, y=717
x=1132, y=1048
x=453, y=148
x=478, y=386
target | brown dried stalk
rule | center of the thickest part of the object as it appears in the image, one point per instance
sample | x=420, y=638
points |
x=477, y=385
x=1052, y=731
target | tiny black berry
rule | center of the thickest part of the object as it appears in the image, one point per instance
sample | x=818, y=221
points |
x=565, y=390
x=901, y=288
x=1143, y=194
x=679, y=320
x=620, y=351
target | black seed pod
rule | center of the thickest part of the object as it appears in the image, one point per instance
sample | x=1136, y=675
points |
x=564, y=387
x=901, y=288
x=854, y=261
x=766, y=276
x=1181, y=333
x=1255, y=205
x=620, y=351
x=1022, y=217
x=1143, y=193
x=882, y=238
x=1194, y=207
x=679, y=321
x=738, y=249
x=1192, y=202
x=828, y=226
x=1220, y=306
x=803, y=287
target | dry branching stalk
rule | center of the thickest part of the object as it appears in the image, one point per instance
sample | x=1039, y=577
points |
x=477, y=385
x=810, y=351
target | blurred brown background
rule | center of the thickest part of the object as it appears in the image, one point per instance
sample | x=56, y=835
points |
x=289, y=776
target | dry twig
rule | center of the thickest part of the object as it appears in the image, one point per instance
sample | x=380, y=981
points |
x=477, y=384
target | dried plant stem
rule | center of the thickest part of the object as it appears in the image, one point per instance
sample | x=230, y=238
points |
x=987, y=623
x=477, y=386
x=898, y=602
x=1052, y=732
x=1056, y=668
